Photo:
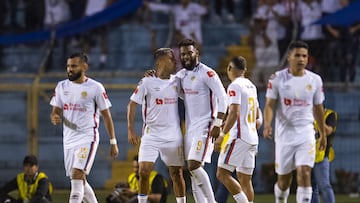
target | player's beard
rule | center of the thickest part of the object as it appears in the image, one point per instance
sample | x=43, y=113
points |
x=74, y=76
x=189, y=64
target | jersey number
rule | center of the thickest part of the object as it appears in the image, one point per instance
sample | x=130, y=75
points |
x=251, y=117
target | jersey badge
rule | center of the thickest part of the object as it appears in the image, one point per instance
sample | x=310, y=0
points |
x=210, y=73
x=308, y=87
x=269, y=85
x=192, y=78
x=232, y=93
x=83, y=95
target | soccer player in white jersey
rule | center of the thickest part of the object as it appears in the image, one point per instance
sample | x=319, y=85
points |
x=78, y=103
x=205, y=105
x=242, y=122
x=161, y=130
x=298, y=96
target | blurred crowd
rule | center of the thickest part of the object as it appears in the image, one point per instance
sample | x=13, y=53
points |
x=272, y=24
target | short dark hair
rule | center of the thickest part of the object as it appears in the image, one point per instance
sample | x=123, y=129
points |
x=83, y=57
x=162, y=52
x=297, y=44
x=239, y=62
x=188, y=42
x=31, y=160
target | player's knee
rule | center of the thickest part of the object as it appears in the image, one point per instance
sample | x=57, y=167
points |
x=176, y=174
x=144, y=173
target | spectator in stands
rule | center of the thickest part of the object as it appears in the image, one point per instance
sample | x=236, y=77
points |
x=186, y=14
x=230, y=17
x=341, y=50
x=34, y=14
x=263, y=41
x=127, y=193
x=321, y=171
x=310, y=11
x=56, y=13
x=101, y=34
x=32, y=185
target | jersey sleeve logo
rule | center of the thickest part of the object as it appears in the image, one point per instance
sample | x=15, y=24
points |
x=105, y=95
x=210, y=73
x=232, y=93
x=158, y=101
x=269, y=85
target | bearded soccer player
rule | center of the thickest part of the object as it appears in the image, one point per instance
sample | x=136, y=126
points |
x=78, y=103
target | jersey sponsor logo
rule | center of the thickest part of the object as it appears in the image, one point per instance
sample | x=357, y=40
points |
x=165, y=101
x=74, y=107
x=232, y=93
x=295, y=102
x=158, y=101
x=210, y=73
x=269, y=85
x=190, y=91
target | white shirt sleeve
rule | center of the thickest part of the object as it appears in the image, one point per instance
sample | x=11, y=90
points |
x=319, y=95
x=101, y=98
x=213, y=81
x=272, y=87
x=160, y=7
x=139, y=92
x=55, y=100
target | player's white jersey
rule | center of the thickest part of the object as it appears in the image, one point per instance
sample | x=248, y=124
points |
x=204, y=96
x=81, y=105
x=243, y=92
x=296, y=97
x=159, y=100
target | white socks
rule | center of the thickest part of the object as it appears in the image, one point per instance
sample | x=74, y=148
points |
x=303, y=194
x=77, y=191
x=197, y=194
x=181, y=200
x=281, y=196
x=202, y=181
x=240, y=198
x=89, y=195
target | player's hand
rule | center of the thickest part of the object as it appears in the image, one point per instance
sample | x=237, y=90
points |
x=217, y=144
x=133, y=138
x=55, y=119
x=322, y=143
x=215, y=132
x=150, y=73
x=268, y=131
x=114, y=151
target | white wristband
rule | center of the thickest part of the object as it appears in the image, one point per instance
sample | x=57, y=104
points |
x=113, y=141
x=218, y=122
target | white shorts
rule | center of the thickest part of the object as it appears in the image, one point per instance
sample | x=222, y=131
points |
x=198, y=147
x=238, y=155
x=171, y=153
x=288, y=157
x=80, y=157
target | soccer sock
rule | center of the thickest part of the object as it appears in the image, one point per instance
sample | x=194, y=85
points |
x=181, y=200
x=142, y=198
x=240, y=198
x=281, y=196
x=197, y=194
x=89, y=195
x=77, y=191
x=303, y=194
x=203, y=182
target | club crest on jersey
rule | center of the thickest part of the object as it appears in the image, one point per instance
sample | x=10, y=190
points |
x=308, y=87
x=175, y=88
x=232, y=93
x=210, y=73
x=83, y=94
x=192, y=78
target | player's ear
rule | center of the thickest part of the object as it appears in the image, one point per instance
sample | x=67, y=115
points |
x=86, y=67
